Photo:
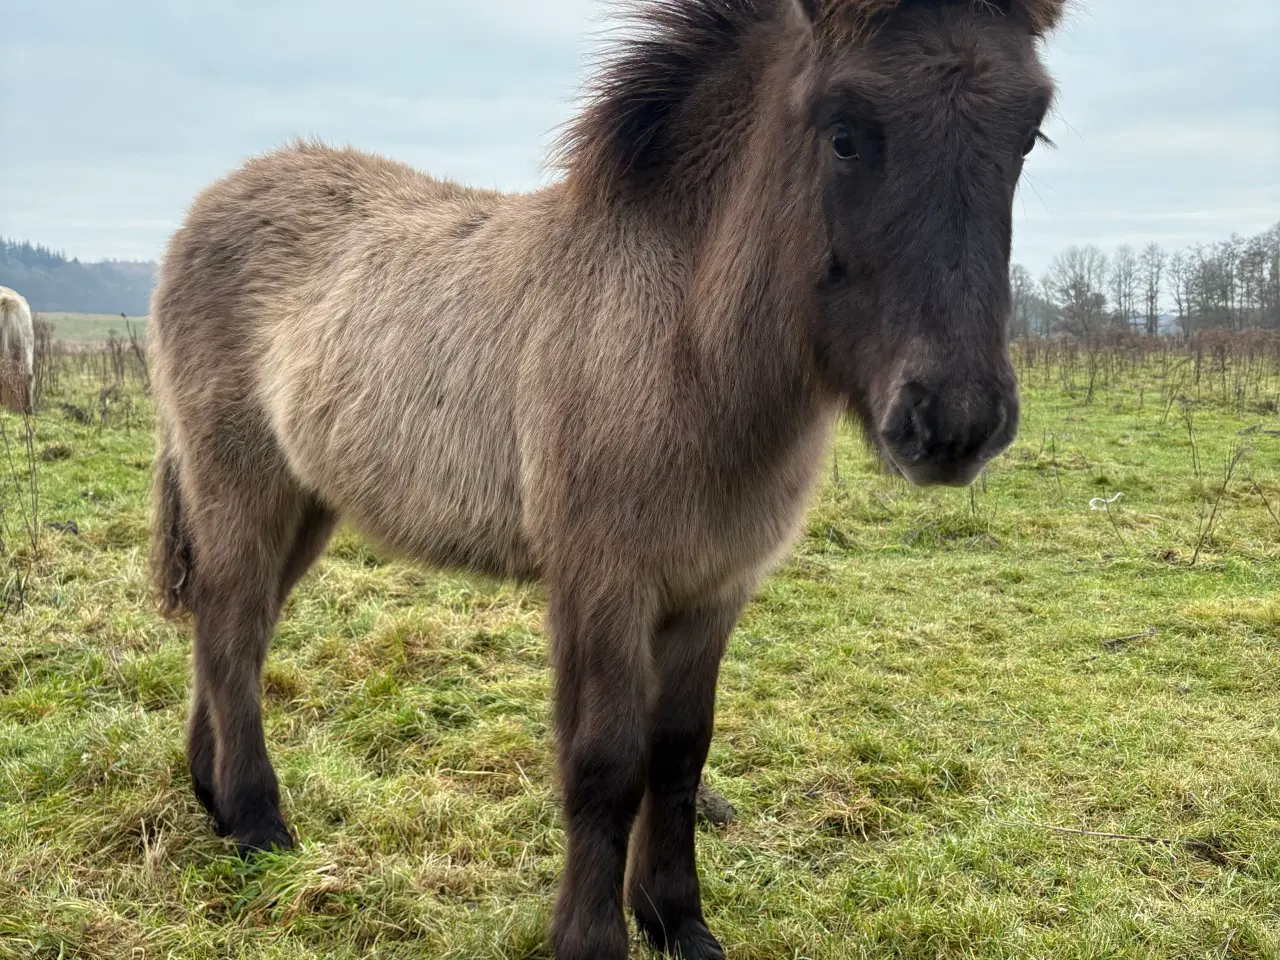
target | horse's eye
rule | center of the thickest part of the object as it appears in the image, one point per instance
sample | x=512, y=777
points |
x=843, y=144
x=1031, y=144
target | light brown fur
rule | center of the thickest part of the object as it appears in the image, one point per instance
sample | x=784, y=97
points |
x=17, y=358
x=610, y=385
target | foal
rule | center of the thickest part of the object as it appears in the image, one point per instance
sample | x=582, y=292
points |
x=621, y=385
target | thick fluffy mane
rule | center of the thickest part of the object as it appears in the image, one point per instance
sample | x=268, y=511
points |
x=623, y=138
x=623, y=135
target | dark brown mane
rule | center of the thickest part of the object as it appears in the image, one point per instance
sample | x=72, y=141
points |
x=623, y=136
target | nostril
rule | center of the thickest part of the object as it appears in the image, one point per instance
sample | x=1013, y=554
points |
x=910, y=431
x=921, y=427
x=1004, y=420
x=1008, y=417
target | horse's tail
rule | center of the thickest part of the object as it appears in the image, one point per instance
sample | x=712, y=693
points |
x=172, y=559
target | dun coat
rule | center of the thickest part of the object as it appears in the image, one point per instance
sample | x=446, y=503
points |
x=622, y=385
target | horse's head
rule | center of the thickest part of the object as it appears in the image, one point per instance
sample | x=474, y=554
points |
x=922, y=113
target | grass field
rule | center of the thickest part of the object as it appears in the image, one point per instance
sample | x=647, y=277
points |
x=919, y=704
x=93, y=327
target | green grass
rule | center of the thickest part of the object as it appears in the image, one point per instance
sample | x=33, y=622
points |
x=93, y=327
x=912, y=700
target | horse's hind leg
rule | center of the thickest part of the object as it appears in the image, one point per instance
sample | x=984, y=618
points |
x=311, y=533
x=662, y=884
x=202, y=755
x=314, y=529
x=242, y=537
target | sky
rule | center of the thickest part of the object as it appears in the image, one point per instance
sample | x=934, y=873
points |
x=116, y=112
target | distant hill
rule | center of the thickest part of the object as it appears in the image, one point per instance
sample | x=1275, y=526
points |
x=53, y=284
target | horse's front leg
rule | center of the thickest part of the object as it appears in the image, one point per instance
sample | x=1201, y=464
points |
x=600, y=640
x=662, y=884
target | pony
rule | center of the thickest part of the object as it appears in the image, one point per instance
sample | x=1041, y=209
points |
x=17, y=352
x=622, y=385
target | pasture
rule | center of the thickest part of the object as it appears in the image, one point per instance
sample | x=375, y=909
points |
x=93, y=327
x=1025, y=720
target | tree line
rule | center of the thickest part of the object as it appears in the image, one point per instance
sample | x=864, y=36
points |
x=1231, y=285
x=54, y=284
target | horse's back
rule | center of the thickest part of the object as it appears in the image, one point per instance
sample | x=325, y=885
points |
x=346, y=317
x=15, y=314
x=17, y=334
x=17, y=351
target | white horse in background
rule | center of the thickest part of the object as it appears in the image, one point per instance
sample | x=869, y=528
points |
x=17, y=351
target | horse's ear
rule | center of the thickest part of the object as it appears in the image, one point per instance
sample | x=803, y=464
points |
x=809, y=9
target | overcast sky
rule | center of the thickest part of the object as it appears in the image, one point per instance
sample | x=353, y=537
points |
x=115, y=112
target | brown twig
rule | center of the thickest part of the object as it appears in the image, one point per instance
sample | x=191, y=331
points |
x=1265, y=502
x=1057, y=479
x=1210, y=849
x=137, y=345
x=1189, y=418
x=1228, y=474
x=1117, y=642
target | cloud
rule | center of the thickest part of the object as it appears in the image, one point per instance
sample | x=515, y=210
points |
x=1168, y=119
x=1167, y=123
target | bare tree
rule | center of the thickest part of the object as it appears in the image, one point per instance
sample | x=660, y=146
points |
x=1075, y=285
x=1215, y=287
x=1023, y=289
x=1254, y=281
x=1233, y=284
x=1048, y=317
x=1229, y=254
x=1124, y=284
x=1179, y=277
x=1271, y=286
x=1150, y=275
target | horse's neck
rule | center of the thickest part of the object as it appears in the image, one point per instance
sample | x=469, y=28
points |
x=756, y=241
x=752, y=291
x=735, y=233
x=735, y=357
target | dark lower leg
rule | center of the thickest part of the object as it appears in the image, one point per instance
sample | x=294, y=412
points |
x=603, y=787
x=248, y=793
x=202, y=755
x=663, y=883
x=603, y=754
x=229, y=657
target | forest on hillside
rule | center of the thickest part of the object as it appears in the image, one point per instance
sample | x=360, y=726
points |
x=54, y=284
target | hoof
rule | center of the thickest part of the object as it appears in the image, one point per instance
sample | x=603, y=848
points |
x=690, y=941
x=263, y=838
